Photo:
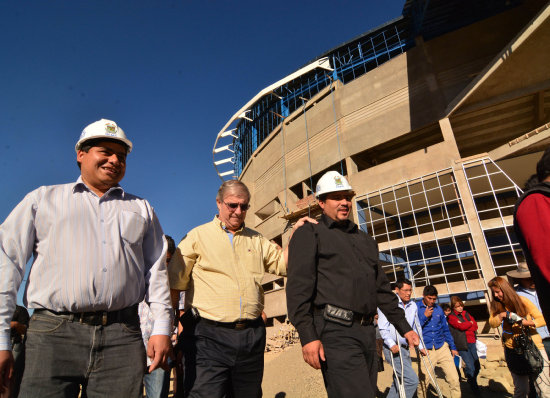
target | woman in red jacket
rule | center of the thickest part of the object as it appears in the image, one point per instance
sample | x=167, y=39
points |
x=463, y=327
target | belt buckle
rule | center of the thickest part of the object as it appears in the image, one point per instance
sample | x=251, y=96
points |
x=104, y=318
x=366, y=320
x=240, y=325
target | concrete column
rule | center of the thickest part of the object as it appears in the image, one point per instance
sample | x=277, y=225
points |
x=351, y=166
x=478, y=239
x=449, y=137
x=470, y=213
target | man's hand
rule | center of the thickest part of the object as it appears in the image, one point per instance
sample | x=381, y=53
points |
x=312, y=351
x=298, y=224
x=428, y=312
x=302, y=221
x=19, y=327
x=412, y=338
x=6, y=369
x=159, y=349
x=423, y=352
x=454, y=352
x=394, y=349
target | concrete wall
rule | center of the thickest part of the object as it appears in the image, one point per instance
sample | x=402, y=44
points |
x=403, y=96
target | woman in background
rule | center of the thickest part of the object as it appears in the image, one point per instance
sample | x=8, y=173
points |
x=463, y=327
x=514, y=312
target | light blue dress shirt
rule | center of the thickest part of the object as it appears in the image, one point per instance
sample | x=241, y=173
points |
x=531, y=295
x=387, y=330
x=90, y=253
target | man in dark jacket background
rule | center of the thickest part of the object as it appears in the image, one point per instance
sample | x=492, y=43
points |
x=335, y=284
x=532, y=227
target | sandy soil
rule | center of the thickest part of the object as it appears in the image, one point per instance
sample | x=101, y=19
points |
x=286, y=375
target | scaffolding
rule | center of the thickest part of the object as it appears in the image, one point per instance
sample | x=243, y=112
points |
x=422, y=229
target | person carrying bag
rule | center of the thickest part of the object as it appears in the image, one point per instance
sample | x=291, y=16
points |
x=463, y=328
x=519, y=318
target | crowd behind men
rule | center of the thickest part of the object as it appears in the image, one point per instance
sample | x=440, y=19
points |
x=98, y=252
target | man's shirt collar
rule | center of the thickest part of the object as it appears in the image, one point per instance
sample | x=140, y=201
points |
x=346, y=226
x=222, y=224
x=80, y=186
x=402, y=303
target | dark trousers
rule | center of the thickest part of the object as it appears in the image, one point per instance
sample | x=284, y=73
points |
x=18, y=351
x=351, y=366
x=471, y=360
x=222, y=362
x=61, y=356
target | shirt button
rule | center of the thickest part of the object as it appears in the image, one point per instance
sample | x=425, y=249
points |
x=104, y=270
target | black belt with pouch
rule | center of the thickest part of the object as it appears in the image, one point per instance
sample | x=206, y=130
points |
x=345, y=317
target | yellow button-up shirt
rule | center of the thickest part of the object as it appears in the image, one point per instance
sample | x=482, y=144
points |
x=223, y=279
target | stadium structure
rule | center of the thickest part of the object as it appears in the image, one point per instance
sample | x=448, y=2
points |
x=437, y=118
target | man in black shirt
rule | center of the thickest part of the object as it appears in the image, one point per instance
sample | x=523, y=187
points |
x=335, y=283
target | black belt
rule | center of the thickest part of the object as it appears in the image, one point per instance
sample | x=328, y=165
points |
x=362, y=319
x=128, y=314
x=237, y=325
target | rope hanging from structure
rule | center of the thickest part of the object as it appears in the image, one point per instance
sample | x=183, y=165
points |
x=336, y=125
x=283, y=155
x=308, y=156
x=284, y=160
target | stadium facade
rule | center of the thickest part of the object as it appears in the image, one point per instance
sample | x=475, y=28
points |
x=437, y=118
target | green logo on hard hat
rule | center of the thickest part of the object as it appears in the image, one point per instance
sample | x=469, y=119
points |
x=338, y=182
x=110, y=129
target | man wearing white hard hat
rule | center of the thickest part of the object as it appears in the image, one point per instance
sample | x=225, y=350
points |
x=97, y=252
x=335, y=284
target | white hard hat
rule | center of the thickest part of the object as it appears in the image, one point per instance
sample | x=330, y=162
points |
x=332, y=181
x=103, y=129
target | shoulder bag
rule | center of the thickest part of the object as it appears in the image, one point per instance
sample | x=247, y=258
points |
x=525, y=358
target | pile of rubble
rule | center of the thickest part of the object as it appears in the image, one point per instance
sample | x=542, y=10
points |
x=494, y=373
x=286, y=335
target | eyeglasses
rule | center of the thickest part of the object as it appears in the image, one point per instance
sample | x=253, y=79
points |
x=233, y=206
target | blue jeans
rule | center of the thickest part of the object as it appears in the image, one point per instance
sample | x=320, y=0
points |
x=410, y=379
x=61, y=356
x=471, y=360
x=157, y=383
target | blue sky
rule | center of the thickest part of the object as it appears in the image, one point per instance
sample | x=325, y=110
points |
x=170, y=73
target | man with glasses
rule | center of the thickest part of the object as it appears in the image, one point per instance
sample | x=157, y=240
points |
x=221, y=265
x=396, y=346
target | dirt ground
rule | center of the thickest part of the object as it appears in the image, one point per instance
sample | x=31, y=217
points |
x=286, y=375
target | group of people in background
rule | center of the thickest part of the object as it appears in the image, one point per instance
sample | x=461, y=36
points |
x=108, y=288
x=438, y=345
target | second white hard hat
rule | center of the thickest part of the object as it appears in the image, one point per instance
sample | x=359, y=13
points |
x=332, y=181
x=103, y=129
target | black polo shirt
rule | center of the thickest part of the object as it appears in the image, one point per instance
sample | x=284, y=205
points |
x=336, y=263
